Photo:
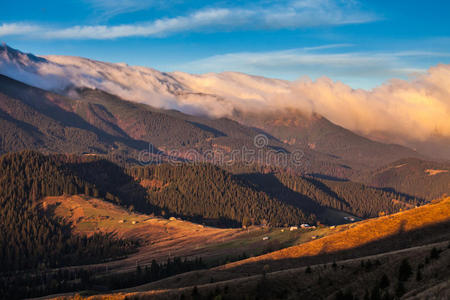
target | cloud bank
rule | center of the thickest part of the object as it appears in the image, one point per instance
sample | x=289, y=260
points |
x=269, y=15
x=408, y=110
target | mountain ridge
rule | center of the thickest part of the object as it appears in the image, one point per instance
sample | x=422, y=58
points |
x=213, y=95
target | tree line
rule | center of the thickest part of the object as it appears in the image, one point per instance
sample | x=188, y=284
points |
x=32, y=239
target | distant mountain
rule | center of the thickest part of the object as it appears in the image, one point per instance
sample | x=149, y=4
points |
x=95, y=122
x=423, y=179
x=312, y=131
x=84, y=100
x=227, y=94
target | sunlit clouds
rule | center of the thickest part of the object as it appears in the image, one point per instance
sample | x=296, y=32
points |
x=404, y=110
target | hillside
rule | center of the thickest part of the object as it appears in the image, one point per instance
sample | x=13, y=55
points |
x=95, y=122
x=366, y=233
x=46, y=220
x=35, y=119
x=30, y=239
x=315, y=194
x=313, y=131
x=413, y=273
x=419, y=178
x=205, y=192
x=402, y=254
x=121, y=130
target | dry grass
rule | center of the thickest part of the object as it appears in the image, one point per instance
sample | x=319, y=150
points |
x=432, y=172
x=346, y=237
x=165, y=238
x=362, y=233
x=161, y=238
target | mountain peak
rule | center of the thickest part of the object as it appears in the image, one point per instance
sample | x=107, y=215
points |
x=9, y=54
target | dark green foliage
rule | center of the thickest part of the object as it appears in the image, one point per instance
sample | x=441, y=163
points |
x=384, y=282
x=368, y=265
x=195, y=292
x=376, y=294
x=400, y=289
x=30, y=238
x=36, y=283
x=419, y=274
x=358, y=199
x=386, y=296
x=410, y=176
x=111, y=182
x=204, y=192
x=404, y=271
x=312, y=194
x=366, y=295
x=434, y=253
x=348, y=295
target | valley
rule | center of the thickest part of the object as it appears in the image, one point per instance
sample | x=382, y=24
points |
x=125, y=182
x=295, y=270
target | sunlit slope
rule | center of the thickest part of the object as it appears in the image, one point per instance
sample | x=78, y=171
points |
x=160, y=238
x=324, y=281
x=362, y=233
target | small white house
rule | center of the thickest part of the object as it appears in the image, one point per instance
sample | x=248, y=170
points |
x=293, y=228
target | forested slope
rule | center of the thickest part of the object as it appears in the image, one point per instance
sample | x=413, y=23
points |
x=29, y=238
x=204, y=191
x=423, y=179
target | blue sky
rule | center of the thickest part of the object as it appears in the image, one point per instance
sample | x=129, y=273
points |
x=362, y=43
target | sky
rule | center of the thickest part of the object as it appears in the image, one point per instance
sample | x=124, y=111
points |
x=361, y=43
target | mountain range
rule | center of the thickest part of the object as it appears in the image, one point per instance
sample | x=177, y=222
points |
x=106, y=166
x=91, y=107
x=267, y=104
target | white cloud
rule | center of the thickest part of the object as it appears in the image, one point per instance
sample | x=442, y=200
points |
x=359, y=69
x=103, y=10
x=404, y=110
x=292, y=15
x=160, y=27
x=18, y=29
x=115, y=7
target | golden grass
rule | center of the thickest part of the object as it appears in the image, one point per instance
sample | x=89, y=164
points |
x=432, y=172
x=361, y=233
x=345, y=237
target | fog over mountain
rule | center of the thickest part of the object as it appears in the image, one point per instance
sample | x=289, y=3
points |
x=415, y=113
